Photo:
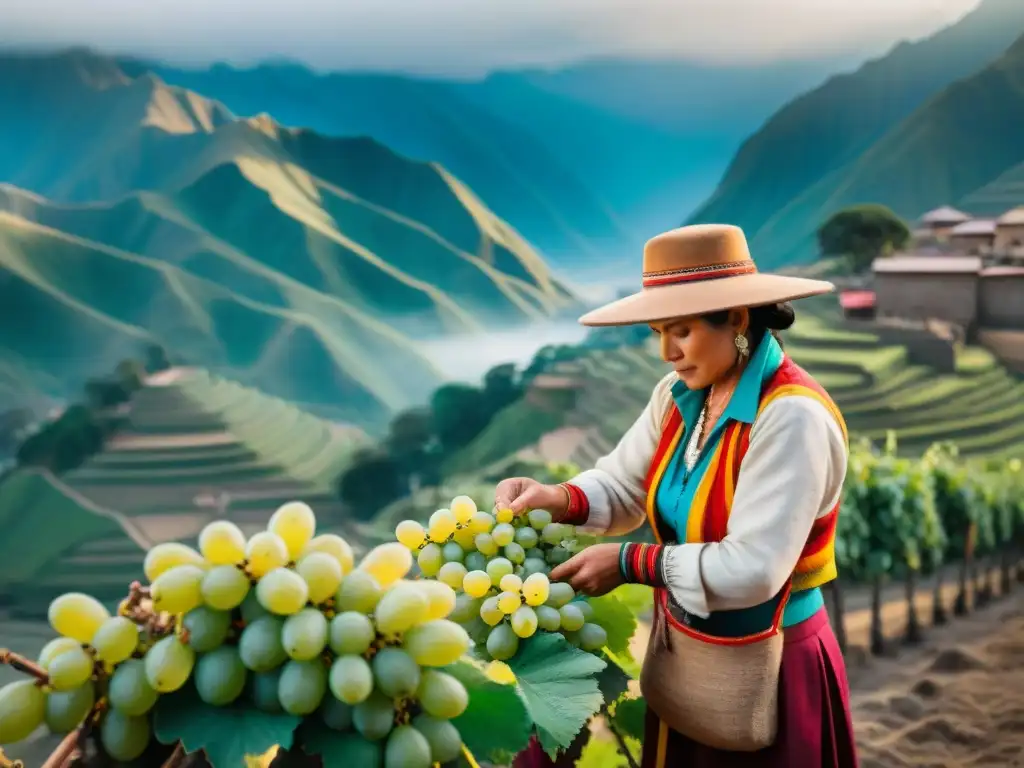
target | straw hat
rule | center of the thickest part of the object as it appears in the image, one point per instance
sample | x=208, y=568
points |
x=700, y=269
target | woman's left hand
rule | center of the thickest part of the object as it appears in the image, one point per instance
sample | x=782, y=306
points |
x=594, y=571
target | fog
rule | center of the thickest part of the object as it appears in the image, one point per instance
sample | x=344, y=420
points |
x=467, y=358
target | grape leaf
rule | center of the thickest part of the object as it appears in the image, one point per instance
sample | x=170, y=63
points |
x=496, y=724
x=225, y=734
x=620, y=624
x=335, y=748
x=612, y=681
x=629, y=718
x=558, y=683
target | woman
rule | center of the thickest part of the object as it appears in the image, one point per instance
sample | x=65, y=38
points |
x=737, y=462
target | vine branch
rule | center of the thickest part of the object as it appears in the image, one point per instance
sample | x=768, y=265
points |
x=20, y=663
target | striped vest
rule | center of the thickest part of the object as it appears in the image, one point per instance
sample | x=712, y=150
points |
x=712, y=502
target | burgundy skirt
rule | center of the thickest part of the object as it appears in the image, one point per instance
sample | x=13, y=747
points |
x=815, y=725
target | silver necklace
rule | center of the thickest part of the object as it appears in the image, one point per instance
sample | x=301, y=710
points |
x=692, y=453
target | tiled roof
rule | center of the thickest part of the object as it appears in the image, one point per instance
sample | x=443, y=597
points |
x=975, y=227
x=1011, y=218
x=944, y=215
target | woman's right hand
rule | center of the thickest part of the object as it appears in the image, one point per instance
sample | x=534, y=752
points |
x=523, y=493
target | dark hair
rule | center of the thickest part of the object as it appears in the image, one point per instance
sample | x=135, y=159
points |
x=770, y=318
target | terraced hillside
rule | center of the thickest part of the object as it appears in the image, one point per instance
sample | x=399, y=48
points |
x=193, y=447
x=980, y=406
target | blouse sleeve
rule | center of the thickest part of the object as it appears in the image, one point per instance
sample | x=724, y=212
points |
x=792, y=474
x=614, y=489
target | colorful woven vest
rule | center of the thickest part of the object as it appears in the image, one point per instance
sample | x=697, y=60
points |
x=712, y=503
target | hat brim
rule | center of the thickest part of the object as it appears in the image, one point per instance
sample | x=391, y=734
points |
x=705, y=296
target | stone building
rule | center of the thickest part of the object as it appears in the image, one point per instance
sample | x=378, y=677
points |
x=1009, y=234
x=928, y=287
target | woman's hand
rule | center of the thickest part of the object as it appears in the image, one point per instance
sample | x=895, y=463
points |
x=594, y=571
x=521, y=494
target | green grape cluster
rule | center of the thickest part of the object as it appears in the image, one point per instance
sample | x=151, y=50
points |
x=498, y=565
x=285, y=621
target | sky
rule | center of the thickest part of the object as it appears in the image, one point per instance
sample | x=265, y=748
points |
x=471, y=37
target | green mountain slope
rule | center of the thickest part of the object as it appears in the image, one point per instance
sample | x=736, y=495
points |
x=306, y=265
x=801, y=154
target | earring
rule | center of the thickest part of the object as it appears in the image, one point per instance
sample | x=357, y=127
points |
x=742, y=345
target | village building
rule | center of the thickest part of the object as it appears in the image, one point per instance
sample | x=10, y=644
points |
x=1009, y=234
x=939, y=223
x=976, y=236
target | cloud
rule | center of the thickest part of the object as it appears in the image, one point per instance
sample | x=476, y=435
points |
x=475, y=35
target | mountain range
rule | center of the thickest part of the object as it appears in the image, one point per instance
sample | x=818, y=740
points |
x=586, y=161
x=931, y=122
x=307, y=265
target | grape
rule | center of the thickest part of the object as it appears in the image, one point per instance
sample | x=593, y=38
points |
x=463, y=508
x=351, y=679
x=452, y=552
x=395, y=672
x=374, y=717
x=593, y=637
x=527, y=538
x=77, y=616
x=55, y=648
x=539, y=518
x=387, y=563
x=402, y=607
x=124, y=737
x=304, y=634
x=351, y=632
x=505, y=515
x=336, y=547
x=510, y=583
x=220, y=676
x=465, y=538
x=262, y=690
x=359, y=591
x=509, y=602
x=485, y=544
x=260, y=644
x=441, y=525
x=534, y=565
x=410, y=534
x=358, y=750
x=224, y=587
x=503, y=534
x=443, y=737
x=178, y=590
x=207, y=628
x=466, y=608
x=481, y=522
x=115, y=640
x=322, y=575
x=129, y=691
x=336, y=714
x=167, y=555
x=22, y=710
x=70, y=669
x=502, y=642
x=586, y=609
x=536, y=589
x=282, y=591
x=440, y=598
x=475, y=561
x=548, y=618
x=168, y=664
x=497, y=568
x=66, y=710
x=559, y=594
x=222, y=543
x=302, y=686
x=437, y=643
x=515, y=553
x=264, y=552
x=572, y=617
x=295, y=523
x=452, y=574
x=476, y=583
x=490, y=612
x=442, y=695
x=524, y=622
x=552, y=534
x=558, y=555
x=430, y=559
x=251, y=608
x=406, y=748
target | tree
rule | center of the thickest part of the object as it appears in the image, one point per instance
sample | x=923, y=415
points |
x=861, y=234
x=502, y=387
x=371, y=482
x=157, y=358
x=459, y=414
